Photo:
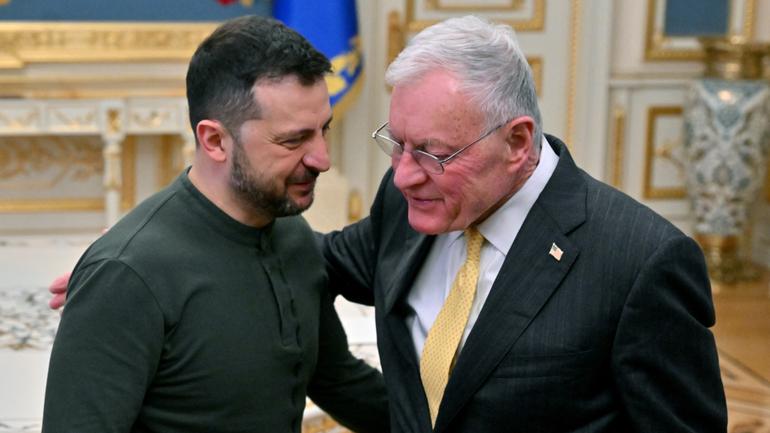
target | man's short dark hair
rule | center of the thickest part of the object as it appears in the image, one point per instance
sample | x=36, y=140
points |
x=239, y=53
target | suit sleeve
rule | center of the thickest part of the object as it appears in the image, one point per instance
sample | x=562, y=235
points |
x=105, y=353
x=347, y=388
x=664, y=355
x=351, y=254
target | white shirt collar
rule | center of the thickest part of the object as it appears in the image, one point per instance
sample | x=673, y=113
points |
x=500, y=228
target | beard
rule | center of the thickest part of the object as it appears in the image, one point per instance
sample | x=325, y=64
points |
x=260, y=194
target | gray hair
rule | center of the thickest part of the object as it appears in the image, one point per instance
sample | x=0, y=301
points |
x=484, y=57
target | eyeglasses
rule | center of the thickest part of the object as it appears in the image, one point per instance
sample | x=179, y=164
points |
x=431, y=163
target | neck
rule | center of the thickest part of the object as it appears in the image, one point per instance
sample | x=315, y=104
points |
x=519, y=179
x=214, y=186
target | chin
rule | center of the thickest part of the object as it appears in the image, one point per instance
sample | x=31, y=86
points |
x=426, y=225
x=303, y=203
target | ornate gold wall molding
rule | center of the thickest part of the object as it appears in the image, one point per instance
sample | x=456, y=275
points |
x=664, y=151
x=74, y=159
x=440, y=5
x=17, y=121
x=71, y=159
x=396, y=36
x=659, y=46
x=575, y=35
x=618, y=146
x=75, y=42
x=534, y=22
x=536, y=64
x=90, y=87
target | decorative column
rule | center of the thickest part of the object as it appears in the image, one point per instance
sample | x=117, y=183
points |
x=113, y=174
x=726, y=146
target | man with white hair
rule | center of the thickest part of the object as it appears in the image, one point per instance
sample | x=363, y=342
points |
x=514, y=292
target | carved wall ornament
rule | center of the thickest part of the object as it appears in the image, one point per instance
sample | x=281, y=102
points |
x=70, y=159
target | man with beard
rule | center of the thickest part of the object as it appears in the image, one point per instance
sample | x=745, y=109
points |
x=205, y=308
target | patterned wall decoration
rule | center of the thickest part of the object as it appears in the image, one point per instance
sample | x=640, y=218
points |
x=51, y=173
x=664, y=174
x=33, y=31
x=660, y=45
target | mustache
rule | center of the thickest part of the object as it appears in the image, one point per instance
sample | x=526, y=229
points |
x=308, y=175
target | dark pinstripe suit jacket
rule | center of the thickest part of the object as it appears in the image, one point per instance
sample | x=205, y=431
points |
x=611, y=338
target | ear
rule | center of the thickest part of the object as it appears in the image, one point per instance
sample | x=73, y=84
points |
x=519, y=137
x=213, y=138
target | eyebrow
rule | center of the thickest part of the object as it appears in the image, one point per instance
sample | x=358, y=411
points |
x=281, y=136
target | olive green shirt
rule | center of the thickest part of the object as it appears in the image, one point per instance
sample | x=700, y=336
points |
x=181, y=319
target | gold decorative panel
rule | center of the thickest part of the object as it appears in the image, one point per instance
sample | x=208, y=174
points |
x=618, y=146
x=38, y=42
x=52, y=173
x=522, y=15
x=170, y=160
x=128, y=173
x=659, y=46
x=536, y=64
x=663, y=165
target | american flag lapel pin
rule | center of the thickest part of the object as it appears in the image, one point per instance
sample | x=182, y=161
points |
x=556, y=252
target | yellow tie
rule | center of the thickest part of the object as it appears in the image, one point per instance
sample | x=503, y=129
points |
x=445, y=334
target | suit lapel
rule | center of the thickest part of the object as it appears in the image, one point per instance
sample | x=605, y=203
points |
x=415, y=250
x=526, y=281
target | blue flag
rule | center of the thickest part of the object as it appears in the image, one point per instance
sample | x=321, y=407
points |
x=332, y=27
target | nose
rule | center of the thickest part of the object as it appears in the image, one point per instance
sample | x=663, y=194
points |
x=317, y=155
x=408, y=172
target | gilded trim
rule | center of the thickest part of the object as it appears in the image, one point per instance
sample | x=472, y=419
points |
x=536, y=22
x=51, y=205
x=90, y=87
x=396, y=36
x=657, y=45
x=575, y=34
x=618, y=146
x=355, y=206
x=75, y=42
x=128, y=171
x=536, y=64
x=748, y=19
x=650, y=191
x=437, y=5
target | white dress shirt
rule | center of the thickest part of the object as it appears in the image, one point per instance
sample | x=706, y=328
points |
x=434, y=281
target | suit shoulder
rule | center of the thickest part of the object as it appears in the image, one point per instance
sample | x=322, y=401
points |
x=614, y=209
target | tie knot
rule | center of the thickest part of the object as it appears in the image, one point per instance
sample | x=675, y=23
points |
x=473, y=239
